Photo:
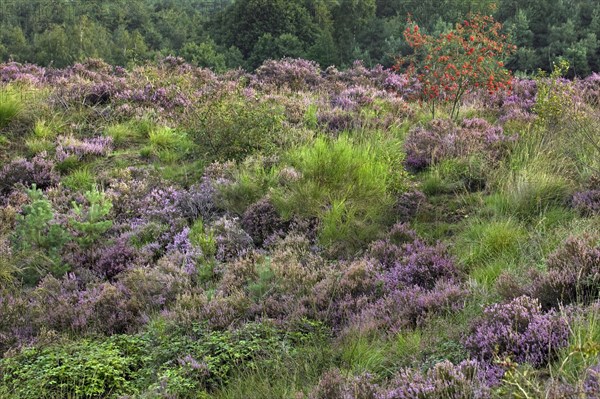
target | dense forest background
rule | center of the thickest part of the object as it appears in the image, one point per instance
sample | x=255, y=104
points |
x=223, y=34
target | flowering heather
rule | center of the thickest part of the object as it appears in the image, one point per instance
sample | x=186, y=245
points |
x=117, y=257
x=409, y=204
x=519, y=330
x=466, y=380
x=162, y=204
x=71, y=147
x=589, y=89
x=39, y=171
x=231, y=240
x=416, y=280
x=591, y=384
x=334, y=385
x=296, y=74
x=410, y=307
x=573, y=274
x=587, y=202
x=420, y=265
x=261, y=220
x=443, y=139
x=192, y=250
x=336, y=120
x=199, y=201
x=16, y=72
x=187, y=253
x=165, y=98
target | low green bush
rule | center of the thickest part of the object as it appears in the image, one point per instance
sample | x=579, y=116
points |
x=231, y=128
x=83, y=369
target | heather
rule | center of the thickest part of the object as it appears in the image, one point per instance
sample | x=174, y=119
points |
x=167, y=231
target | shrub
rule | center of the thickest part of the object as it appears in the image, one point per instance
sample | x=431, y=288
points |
x=420, y=265
x=231, y=128
x=18, y=321
x=105, y=308
x=7, y=268
x=465, y=59
x=200, y=359
x=296, y=74
x=251, y=181
x=71, y=147
x=334, y=385
x=415, y=281
x=116, y=257
x=200, y=201
x=518, y=330
x=91, y=222
x=409, y=204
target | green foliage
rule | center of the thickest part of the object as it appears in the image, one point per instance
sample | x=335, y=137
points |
x=165, y=358
x=37, y=145
x=207, y=359
x=282, y=376
x=90, y=222
x=227, y=33
x=39, y=239
x=456, y=175
x=205, y=55
x=74, y=370
x=131, y=132
x=261, y=286
x=43, y=130
x=363, y=354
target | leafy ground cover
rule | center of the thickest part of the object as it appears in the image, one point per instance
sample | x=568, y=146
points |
x=169, y=232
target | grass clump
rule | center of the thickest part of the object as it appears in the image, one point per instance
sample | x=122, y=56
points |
x=80, y=180
x=167, y=144
x=11, y=104
x=126, y=134
x=483, y=242
x=530, y=194
x=345, y=184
